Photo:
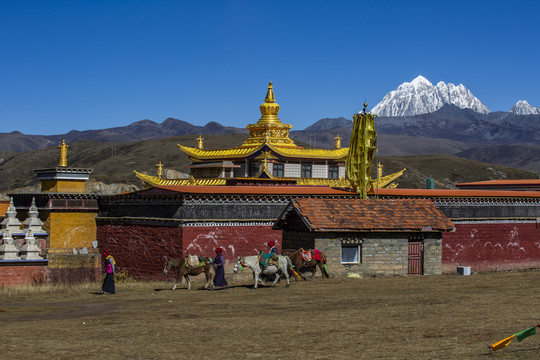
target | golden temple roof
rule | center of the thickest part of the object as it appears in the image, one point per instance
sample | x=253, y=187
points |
x=241, y=152
x=338, y=183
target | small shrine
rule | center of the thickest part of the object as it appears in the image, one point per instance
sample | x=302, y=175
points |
x=57, y=238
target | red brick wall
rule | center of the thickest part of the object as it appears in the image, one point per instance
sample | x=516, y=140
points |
x=140, y=249
x=22, y=274
x=492, y=247
x=235, y=241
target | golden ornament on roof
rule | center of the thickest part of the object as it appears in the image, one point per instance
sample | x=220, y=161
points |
x=63, y=154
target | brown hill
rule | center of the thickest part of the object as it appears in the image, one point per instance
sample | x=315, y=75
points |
x=114, y=163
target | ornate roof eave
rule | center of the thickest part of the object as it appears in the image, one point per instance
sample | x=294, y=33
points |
x=386, y=181
x=243, y=152
x=150, y=181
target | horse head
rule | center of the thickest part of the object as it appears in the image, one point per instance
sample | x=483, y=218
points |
x=238, y=266
x=168, y=265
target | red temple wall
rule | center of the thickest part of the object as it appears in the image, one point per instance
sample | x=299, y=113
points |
x=235, y=241
x=140, y=249
x=23, y=274
x=492, y=247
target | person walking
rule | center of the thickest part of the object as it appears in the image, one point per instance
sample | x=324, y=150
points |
x=108, y=282
x=219, y=279
x=273, y=248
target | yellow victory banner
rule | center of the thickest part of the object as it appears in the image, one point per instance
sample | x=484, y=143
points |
x=362, y=147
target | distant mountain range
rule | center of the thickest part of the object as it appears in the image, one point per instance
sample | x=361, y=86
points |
x=522, y=107
x=433, y=119
x=421, y=97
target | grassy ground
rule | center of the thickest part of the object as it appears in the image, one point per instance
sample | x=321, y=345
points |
x=430, y=317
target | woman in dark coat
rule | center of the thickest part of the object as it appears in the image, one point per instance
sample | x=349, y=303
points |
x=219, y=279
x=108, y=282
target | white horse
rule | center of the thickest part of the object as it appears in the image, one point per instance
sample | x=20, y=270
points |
x=252, y=262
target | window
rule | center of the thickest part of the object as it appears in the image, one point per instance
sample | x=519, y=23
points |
x=350, y=254
x=253, y=169
x=277, y=170
x=333, y=172
x=306, y=171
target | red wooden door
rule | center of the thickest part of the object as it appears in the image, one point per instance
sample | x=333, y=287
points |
x=415, y=258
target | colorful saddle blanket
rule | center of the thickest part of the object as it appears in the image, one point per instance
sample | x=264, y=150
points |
x=319, y=256
x=268, y=259
x=194, y=261
x=306, y=255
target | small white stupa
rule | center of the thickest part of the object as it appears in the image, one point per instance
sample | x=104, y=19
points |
x=30, y=250
x=8, y=251
x=11, y=223
x=33, y=222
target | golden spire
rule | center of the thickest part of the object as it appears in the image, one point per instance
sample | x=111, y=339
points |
x=269, y=129
x=270, y=108
x=159, y=169
x=200, y=142
x=63, y=154
x=337, y=142
x=379, y=170
x=270, y=94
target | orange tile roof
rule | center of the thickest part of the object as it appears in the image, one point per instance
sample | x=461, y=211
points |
x=503, y=182
x=256, y=190
x=372, y=215
x=3, y=208
x=461, y=193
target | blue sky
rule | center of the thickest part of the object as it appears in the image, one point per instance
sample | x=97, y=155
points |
x=79, y=65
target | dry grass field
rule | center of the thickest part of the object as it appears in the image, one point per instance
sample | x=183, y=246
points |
x=430, y=317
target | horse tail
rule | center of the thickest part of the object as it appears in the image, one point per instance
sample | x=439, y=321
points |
x=290, y=267
x=324, y=265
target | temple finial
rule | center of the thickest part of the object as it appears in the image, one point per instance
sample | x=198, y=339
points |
x=337, y=142
x=200, y=140
x=159, y=169
x=270, y=94
x=63, y=154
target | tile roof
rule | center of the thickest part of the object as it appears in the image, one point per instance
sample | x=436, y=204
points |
x=370, y=215
x=503, y=182
x=253, y=190
x=461, y=193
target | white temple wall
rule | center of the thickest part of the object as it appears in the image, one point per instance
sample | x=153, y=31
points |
x=292, y=170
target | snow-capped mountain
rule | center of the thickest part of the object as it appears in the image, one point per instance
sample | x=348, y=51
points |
x=421, y=97
x=522, y=107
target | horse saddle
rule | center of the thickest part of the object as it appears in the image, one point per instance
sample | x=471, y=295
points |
x=194, y=260
x=306, y=255
x=268, y=259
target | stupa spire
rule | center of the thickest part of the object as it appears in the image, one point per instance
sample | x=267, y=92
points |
x=270, y=98
x=270, y=108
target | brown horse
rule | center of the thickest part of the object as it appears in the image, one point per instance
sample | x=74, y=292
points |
x=302, y=265
x=184, y=270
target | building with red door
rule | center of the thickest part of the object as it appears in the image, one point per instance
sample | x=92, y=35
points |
x=370, y=237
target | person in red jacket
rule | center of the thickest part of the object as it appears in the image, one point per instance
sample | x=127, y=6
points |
x=108, y=282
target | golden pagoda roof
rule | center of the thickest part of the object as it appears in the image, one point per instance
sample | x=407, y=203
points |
x=158, y=181
x=339, y=183
x=241, y=152
x=270, y=131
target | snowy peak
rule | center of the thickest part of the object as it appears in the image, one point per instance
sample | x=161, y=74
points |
x=522, y=107
x=421, y=97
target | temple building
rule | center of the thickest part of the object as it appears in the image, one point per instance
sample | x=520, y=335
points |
x=62, y=218
x=268, y=153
